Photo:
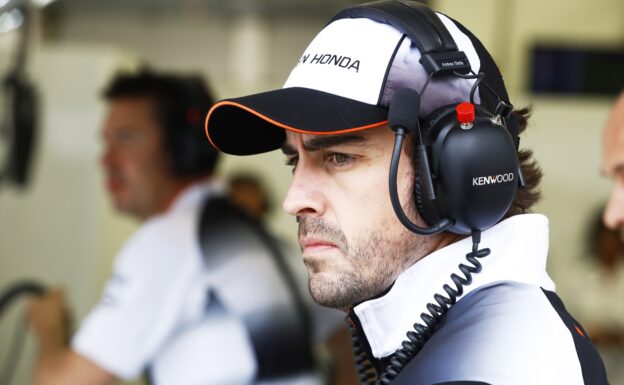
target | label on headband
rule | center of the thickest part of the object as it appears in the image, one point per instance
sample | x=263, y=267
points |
x=446, y=62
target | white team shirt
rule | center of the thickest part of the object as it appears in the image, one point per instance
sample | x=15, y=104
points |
x=153, y=309
x=508, y=327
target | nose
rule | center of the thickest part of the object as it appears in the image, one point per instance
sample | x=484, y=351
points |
x=304, y=197
x=613, y=216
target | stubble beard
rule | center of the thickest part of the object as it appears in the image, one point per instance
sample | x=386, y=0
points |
x=371, y=263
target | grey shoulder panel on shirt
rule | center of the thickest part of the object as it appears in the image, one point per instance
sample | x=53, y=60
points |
x=491, y=335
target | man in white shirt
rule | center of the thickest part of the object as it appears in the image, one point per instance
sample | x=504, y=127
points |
x=173, y=308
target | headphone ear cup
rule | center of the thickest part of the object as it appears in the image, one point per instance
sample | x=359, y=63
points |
x=23, y=128
x=430, y=124
x=474, y=170
x=191, y=154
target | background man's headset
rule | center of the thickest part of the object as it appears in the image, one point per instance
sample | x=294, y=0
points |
x=467, y=162
x=18, y=126
x=182, y=116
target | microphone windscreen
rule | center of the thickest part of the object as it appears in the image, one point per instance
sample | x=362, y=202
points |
x=404, y=109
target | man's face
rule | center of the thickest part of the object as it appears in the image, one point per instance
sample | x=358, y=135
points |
x=353, y=245
x=613, y=165
x=134, y=160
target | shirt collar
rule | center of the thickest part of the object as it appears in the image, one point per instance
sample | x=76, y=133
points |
x=196, y=193
x=518, y=245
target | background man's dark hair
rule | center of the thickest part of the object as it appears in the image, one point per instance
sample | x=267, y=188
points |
x=179, y=104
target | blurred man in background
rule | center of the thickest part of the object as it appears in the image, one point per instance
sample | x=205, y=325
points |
x=613, y=164
x=609, y=287
x=197, y=295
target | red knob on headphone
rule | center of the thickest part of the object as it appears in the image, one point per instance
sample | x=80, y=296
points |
x=465, y=113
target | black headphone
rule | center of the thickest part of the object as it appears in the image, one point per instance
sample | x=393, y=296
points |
x=468, y=167
x=187, y=100
x=18, y=126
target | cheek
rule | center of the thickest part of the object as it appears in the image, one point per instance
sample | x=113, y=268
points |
x=365, y=212
x=362, y=203
x=617, y=193
x=615, y=204
x=147, y=162
x=134, y=169
x=405, y=180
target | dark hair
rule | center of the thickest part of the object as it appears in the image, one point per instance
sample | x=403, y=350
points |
x=531, y=194
x=180, y=104
x=247, y=179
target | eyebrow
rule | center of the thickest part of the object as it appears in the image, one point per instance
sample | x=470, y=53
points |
x=320, y=142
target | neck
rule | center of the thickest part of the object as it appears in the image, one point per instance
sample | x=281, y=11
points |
x=432, y=244
x=429, y=245
x=176, y=189
x=170, y=195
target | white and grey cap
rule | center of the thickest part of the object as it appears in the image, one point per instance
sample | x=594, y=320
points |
x=344, y=82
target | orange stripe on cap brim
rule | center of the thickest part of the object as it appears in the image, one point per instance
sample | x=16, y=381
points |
x=281, y=125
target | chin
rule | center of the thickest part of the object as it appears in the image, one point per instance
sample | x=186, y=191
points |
x=120, y=205
x=125, y=208
x=333, y=290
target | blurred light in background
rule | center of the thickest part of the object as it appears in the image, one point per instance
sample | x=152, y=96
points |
x=41, y=3
x=11, y=20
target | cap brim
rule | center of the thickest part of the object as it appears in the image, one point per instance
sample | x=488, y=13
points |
x=254, y=124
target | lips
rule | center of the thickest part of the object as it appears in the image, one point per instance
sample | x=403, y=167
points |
x=311, y=244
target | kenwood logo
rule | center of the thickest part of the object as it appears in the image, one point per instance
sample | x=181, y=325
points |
x=329, y=59
x=493, y=179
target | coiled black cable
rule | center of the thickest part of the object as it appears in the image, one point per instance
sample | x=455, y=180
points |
x=417, y=338
x=364, y=365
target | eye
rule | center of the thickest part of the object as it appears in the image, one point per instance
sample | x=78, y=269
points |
x=340, y=160
x=127, y=137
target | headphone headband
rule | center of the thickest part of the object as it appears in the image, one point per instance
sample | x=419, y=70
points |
x=439, y=52
x=428, y=32
x=425, y=29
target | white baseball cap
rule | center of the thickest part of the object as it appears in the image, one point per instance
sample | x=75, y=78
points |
x=344, y=82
